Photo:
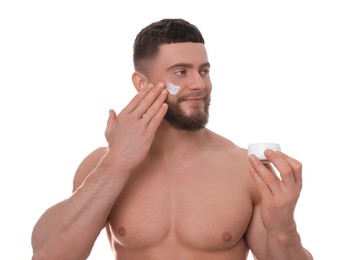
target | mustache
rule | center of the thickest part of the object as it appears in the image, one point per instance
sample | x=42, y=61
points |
x=193, y=95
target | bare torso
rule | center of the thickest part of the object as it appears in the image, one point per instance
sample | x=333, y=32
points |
x=197, y=209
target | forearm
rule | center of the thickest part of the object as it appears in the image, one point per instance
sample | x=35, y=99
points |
x=72, y=226
x=286, y=245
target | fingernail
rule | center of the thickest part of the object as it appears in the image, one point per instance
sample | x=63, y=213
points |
x=252, y=158
x=269, y=151
x=160, y=85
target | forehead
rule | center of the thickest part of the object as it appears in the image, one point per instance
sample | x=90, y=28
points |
x=185, y=52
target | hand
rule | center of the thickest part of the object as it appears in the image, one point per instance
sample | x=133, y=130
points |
x=131, y=133
x=278, y=197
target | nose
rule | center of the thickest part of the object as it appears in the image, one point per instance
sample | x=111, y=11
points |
x=197, y=82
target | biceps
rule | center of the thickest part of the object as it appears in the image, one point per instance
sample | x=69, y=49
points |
x=256, y=235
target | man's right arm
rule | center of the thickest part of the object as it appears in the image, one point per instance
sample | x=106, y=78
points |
x=69, y=229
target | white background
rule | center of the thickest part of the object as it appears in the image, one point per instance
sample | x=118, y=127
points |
x=281, y=72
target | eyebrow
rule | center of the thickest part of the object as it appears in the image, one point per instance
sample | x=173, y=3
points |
x=187, y=65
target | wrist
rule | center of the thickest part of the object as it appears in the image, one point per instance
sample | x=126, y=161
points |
x=286, y=244
x=285, y=236
x=112, y=163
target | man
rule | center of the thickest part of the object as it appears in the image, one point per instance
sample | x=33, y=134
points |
x=166, y=187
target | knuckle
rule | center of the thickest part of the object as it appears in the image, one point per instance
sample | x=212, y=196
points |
x=297, y=165
x=270, y=178
x=286, y=172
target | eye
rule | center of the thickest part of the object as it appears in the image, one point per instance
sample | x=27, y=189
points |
x=180, y=72
x=205, y=72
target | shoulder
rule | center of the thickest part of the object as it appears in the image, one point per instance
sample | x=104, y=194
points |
x=88, y=164
x=222, y=144
x=234, y=159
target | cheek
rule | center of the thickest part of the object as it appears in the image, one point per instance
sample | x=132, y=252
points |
x=171, y=99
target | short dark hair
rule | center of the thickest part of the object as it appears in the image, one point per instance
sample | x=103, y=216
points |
x=148, y=40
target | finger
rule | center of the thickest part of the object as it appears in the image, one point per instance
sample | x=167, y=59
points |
x=134, y=103
x=296, y=167
x=155, y=107
x=268, y=176
x=110, y=122
x=260, y=183
x=159, y=116
x=148, y=100
x=284, y=168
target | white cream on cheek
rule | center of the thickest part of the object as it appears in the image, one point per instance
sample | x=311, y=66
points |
x=172, y=88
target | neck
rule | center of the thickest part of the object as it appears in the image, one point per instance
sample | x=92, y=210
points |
x=174, y=144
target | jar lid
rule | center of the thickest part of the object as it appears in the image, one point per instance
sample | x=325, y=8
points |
x=258, y=149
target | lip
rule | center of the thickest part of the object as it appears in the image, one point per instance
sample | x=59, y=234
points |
x=195, y=100
x=194, y=97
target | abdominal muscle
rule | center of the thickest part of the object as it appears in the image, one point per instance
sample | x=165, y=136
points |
x=182, y=214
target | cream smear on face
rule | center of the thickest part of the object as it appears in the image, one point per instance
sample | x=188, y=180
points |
x=172, y=88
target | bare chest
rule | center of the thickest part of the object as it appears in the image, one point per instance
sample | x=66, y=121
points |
x=203, y=207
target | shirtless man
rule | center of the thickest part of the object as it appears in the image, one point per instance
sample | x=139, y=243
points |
x=168, y=188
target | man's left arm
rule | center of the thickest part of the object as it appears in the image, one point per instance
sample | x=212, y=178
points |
x=272, y=233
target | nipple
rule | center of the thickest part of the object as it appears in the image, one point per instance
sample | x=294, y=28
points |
x=122, y=231
x=173, y=89
x=227, y=237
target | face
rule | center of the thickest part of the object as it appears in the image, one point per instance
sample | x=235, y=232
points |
x=185, y=65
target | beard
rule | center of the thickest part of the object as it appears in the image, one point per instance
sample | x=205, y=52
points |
x=177, y=118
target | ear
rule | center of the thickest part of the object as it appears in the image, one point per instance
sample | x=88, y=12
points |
x=139, y=80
